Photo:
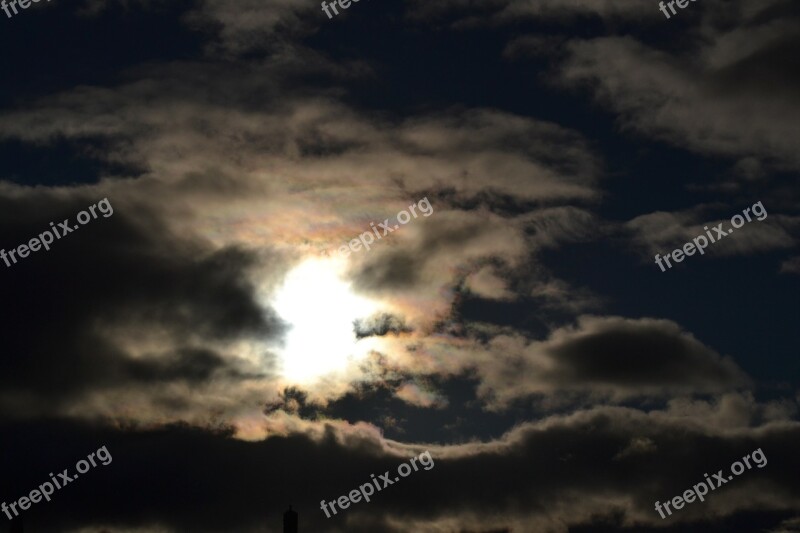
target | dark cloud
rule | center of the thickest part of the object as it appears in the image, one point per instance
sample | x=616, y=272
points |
x=294, y=400
x=728, y=92
x=193, y=365
x=609, y=358
x=124, y=272
x=568, y=470
x=380, y=325
x=634, y=354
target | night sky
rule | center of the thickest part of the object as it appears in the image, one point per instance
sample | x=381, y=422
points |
x=208, y=311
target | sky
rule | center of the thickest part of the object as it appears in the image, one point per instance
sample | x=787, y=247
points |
x=262, y=255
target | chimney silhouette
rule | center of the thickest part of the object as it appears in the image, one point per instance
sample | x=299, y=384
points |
x=290, y=521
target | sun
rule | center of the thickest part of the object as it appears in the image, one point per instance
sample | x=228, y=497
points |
x=320, y=307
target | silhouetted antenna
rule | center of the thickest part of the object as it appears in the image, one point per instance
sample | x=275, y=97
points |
x=290, y=521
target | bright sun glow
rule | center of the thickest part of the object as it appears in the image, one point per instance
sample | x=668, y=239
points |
x=320, y=308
